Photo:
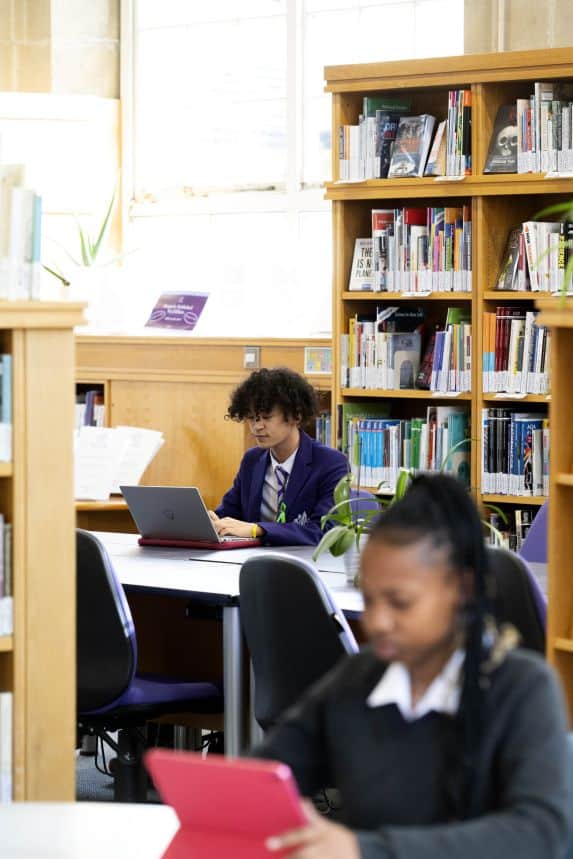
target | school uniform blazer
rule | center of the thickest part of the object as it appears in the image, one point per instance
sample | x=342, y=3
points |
x=309, y=493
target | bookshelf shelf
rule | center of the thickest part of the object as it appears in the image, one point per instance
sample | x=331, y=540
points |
x=403, y=394
x=6, y=469
x=483, y=185
x=497, y=201
x=509, y=398
x=565, y=645
x=6, y=643
x=535, y=500
x=449, y=297
x=564, y=479
x=516, y=294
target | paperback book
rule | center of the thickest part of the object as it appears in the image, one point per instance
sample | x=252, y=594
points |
x=411, y=147
x=502, y=152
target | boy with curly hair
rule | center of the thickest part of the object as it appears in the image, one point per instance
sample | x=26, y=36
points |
x=286, y=482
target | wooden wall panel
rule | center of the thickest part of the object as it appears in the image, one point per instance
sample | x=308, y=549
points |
x=201, y=447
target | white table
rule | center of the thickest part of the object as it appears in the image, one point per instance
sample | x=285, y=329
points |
x=214, y=575
x=90, y=830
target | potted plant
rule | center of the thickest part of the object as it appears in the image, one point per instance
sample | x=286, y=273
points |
x=351, y=519
x=80, y=280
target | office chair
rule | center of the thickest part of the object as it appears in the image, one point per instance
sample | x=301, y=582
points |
x=517, y=597
x=293, y=627
x=111, y=695
x=534, y=547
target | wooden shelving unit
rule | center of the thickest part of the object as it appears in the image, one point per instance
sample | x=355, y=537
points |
x=37, y=663
x=498, y=202
x=559, y=316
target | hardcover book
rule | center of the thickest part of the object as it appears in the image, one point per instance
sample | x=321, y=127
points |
x=502, y=152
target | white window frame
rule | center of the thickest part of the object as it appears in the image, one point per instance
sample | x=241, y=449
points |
x=292, y=199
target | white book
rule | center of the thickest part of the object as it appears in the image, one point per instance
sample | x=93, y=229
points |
x=5, y=747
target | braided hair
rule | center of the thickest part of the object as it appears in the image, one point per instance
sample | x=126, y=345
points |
x=438, y=508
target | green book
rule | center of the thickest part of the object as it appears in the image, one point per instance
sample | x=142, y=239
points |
x=370, y=104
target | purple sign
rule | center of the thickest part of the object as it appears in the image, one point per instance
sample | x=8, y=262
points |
x=177, y=310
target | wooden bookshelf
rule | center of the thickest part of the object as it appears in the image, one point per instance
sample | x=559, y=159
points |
x=497, y=203
x=37, y=663
x=559, y=316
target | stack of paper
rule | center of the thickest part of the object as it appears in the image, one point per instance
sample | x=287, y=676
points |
x=107, y=458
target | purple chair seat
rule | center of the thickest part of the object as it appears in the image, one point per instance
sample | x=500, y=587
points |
x=150, y=691
x=534, y=547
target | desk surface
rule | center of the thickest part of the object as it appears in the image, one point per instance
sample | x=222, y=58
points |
x=196, y=571
x=90, y=830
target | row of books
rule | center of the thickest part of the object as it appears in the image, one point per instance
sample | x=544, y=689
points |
x=544, y=134
x=377, y=448
x=90, y=408
x=107, y=458
x=323, y=428
x=515, y=453
x=20, y=236
x=536, y=257
x=516, y=357
x=6, y=579
x=513, y=529
x=387, y=143
x=385, y=352
x=6, y=710
x=415, y=250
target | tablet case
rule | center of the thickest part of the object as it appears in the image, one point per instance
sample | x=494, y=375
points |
x=227, y=807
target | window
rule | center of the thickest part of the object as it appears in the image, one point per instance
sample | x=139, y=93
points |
x=231, y=142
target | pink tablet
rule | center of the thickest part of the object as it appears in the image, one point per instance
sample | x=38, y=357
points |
x=227, y=807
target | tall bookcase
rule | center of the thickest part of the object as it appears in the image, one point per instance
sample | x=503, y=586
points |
x=37, y=663
x=559, y=316
x=497, y=203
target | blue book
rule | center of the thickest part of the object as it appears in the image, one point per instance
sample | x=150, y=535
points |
x=6, y=408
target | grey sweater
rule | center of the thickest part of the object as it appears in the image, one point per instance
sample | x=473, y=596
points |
x=392, y=774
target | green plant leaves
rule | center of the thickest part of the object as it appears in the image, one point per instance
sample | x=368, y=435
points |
x=338, y=540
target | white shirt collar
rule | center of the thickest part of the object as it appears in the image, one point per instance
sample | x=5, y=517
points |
x=287, y=464
x=441, y=696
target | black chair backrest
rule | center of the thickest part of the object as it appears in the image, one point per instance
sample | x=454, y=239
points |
x=513, y=598
x=293, y=628
x=106, y=646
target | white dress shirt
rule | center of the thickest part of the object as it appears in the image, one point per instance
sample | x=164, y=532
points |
x=269, y=505
x=441, y=696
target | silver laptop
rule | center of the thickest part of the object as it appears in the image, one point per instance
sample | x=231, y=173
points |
x=175, y=513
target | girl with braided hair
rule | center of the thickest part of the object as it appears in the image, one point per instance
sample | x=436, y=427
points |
x=444, y=742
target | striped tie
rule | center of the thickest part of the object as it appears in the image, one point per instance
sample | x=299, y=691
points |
x=282, y=478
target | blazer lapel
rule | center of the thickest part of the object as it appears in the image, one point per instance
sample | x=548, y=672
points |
x=301, y=469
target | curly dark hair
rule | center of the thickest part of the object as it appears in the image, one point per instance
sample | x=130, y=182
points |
x=279, y=388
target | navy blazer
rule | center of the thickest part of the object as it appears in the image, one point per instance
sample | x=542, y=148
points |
x=309, y=493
